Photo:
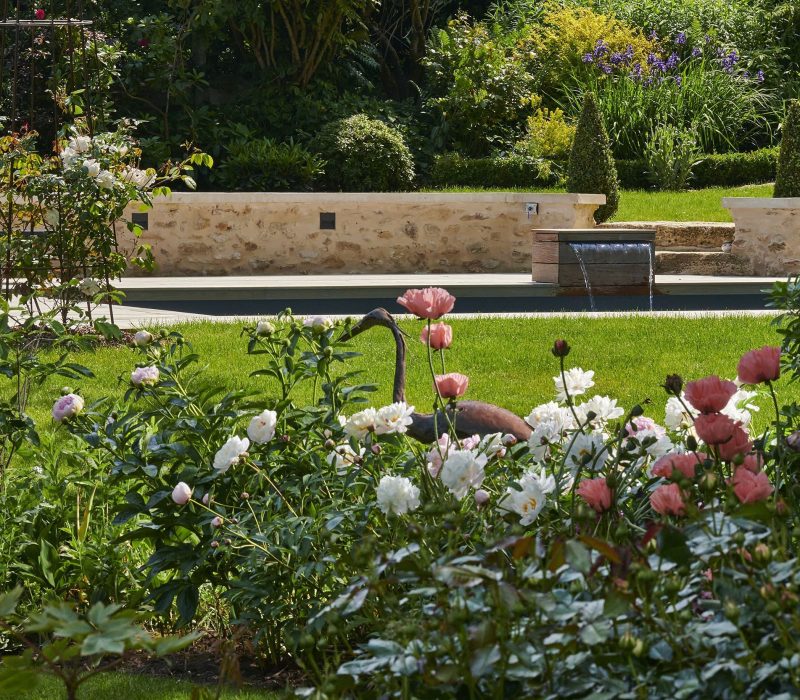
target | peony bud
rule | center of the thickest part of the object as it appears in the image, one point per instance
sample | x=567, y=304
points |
x=481, y=498
x=673, y=384
x=216, y=522
x=142, y=338
x=182, y=493
x=561, y=348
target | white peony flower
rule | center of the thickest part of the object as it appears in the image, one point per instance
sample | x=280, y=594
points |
x=529, y=501
x=230, y=453
x=264, y=328
x=80, y=144
x=604, y=408
x=182, y=493
x=394, y=418
x=105, y=179
x=361, y=423
x=262, y=427
x=575, y=382
x=559, y=417
x=68, y=156
x=397, y=495
x=462, y=469
x=676, y=416
x=90, y=286
x=318, y=324
x=585, y=451
x=92, y=167
x=144, y=375
x=542, y=436
x=142, y=338
x=738, y=412
x=344, y=457
x=67, y=406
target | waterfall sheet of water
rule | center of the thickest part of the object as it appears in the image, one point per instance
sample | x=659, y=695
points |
x=616, y=250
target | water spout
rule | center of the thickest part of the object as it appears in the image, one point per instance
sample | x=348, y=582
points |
x=577, y=248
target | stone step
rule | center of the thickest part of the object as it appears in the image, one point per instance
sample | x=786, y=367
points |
x=669, y=262
x=682, y=235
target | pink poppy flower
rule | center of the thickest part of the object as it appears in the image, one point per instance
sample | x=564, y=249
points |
x=440, y=336
x=710, y=394
x=750, y=487
x=431, y=302
x=451, y=385
x=714, y=428
x=686, y=464
x=596, y=493
x=757, y=366
x=668, y=500
x=753, y=462
x=739, y=444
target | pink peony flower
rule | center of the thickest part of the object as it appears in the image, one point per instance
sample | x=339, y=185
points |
x=182, y=493
x=440, y=337
x=66, y=407
x=750, y=487
x=757, y=366
x=471, y=442
x=686, y=464
x=644, y=423
x=753, y=462
x=668, y=500
x=452, y=385
x=437, y=454
x=39, y=14
x=142, y=376
x=431, y=302
x=714, y=428
x=711, y=394
x=596, y=493
x=739, y=444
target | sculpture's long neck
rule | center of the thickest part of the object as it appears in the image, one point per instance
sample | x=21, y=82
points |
x=399, y=389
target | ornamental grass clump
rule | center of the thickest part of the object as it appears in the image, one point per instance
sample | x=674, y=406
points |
x=787, y=178
x=591, y=167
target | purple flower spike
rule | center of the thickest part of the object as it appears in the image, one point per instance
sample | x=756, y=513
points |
x=672, y=61
x=760, y=76
x=696, y=52
x=680, y=38
x=588, y=58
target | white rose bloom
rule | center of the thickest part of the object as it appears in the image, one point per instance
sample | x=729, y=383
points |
x=344, y=457
x=575, y=382
x=105, y=179
x=738, y=412
x=51, y=217
x=90, y=286
x=142, y=338
x=318, y=324
x=397, y=495
x=559, y=417
x=462, y=469
x=582, y=445
x=604, y=407
x=68, y=156
x=92, y=167
x=394, y=418
x=492, y=445
x=80, y=144
x=262, y=427
x=264, y=328
x=144, y=375
x=230, y=453
x=361, y=423
x=529, y=501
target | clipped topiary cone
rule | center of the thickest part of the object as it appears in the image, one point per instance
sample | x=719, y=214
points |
x=591, y=166
x=787, y=177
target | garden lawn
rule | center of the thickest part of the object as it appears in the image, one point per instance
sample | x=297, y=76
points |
x=508, y=361
x=642, y=205
x=126, y=686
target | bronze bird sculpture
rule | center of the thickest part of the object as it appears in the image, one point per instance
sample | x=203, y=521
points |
x=468, y=418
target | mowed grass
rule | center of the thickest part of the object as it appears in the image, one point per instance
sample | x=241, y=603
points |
x=127, y=686
x=646, y=205
x=507, y=360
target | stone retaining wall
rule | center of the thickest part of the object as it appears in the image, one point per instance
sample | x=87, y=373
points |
x=273, y=233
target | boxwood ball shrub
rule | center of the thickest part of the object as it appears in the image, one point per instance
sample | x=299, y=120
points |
x=787, y=181
x=364, y=155
x=591, y=167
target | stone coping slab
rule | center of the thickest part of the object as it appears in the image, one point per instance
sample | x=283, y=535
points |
x=761, y=202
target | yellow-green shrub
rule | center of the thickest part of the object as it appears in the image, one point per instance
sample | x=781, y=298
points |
x=548, y=135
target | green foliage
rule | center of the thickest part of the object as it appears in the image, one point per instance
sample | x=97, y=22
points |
x=76, y=646
x=670, y=155
x=262, y=165
x=364, y=155
x=591, y=166
x=548, y=135
x=513, y=170
x=787, y=179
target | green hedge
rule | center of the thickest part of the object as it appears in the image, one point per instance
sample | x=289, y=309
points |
x=514, y=170
x=715, y=170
